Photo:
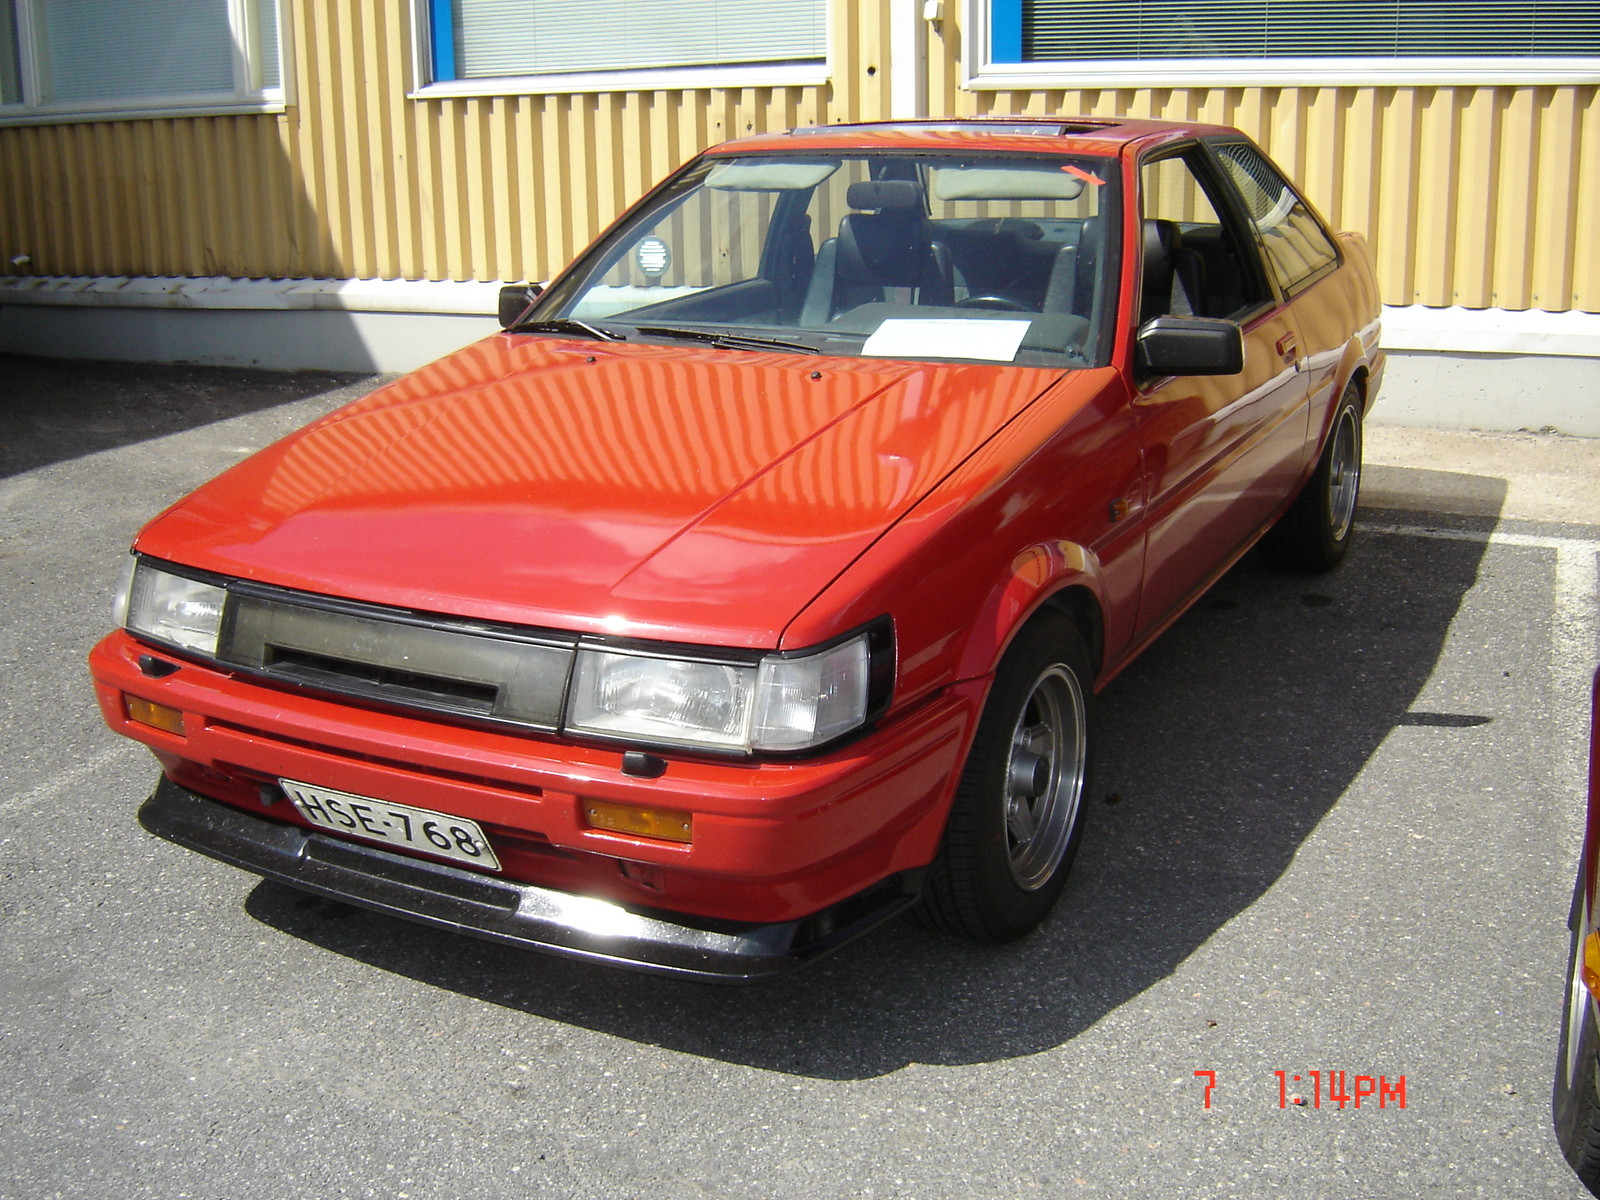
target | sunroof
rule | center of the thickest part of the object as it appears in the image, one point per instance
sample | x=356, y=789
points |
x=974, y=125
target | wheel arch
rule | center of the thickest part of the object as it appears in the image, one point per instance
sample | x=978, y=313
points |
x=1354, y=371
x=1081, y=606
x=1360, y=377
x=1048, y=577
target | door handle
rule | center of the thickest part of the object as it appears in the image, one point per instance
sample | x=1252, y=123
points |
x=1287, y=349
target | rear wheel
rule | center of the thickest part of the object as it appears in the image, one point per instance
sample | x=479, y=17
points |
x=1313, y=535
x=1018, y=812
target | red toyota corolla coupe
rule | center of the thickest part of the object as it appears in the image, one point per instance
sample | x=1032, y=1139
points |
x=755, y=584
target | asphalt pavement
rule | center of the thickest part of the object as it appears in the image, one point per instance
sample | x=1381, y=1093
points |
x=1331, y=852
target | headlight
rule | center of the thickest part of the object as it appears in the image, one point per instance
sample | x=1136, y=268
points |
x=781, y=703
x=627, y=695
x=169, y=608
x=119, y=604
x=803, y=702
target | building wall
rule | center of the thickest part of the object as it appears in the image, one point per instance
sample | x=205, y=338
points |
x=356, y=180
x=1472, y=196
x=1479, y=197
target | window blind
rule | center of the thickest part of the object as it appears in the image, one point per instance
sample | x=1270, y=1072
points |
x=534, y=37
x=266, y=29
x=10, y=61
x=1068, y=30
x=116, y=49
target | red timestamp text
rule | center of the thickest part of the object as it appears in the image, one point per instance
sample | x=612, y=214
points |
x=1330, y=1089
x=1339, y=1092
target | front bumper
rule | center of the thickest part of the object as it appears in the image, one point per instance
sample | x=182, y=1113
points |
x=519, y=914
x=774, y=842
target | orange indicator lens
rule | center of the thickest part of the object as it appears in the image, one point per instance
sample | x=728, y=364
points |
x=159, y=716
x=660, y=823
x=1591, y=963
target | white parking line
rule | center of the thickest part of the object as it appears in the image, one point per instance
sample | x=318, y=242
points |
x=57, y=785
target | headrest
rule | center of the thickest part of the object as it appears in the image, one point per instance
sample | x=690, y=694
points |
x=1160, y=267
x=881, y=248
x=884, y=193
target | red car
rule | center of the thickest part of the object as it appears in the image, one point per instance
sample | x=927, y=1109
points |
x=756, y=583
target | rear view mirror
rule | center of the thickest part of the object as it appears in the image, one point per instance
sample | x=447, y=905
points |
x=515, y=301
x=1190, y=346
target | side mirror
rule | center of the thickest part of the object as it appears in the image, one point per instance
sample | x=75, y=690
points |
x=515, y=301
x=1190, y=346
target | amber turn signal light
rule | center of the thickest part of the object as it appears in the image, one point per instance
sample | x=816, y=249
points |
x=662, y=823
x=158, y=716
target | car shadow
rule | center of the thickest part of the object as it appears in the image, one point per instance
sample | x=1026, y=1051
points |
x=1223, y=747
x=57, y=409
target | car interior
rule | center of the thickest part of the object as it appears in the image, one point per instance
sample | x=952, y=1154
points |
x=902, y=239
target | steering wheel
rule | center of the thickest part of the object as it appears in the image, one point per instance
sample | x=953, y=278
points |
x=1005, y=303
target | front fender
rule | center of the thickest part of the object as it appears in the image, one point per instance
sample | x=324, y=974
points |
x=1038, y=573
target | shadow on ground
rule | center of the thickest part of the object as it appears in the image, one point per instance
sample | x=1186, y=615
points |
x=55, y=409
x=1222, y=749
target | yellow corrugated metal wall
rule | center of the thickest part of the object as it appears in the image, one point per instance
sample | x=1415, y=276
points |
x=197, y=196
x=357, y=180
x=1477, y=196
x=1483, y=197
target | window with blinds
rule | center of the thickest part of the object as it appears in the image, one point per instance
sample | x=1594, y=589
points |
x=10, y=63
x=1131, y=30
x=71, y=56
x=486, y=39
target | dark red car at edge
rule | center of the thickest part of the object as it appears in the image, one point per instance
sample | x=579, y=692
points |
x=1577, y=1088
x=756, y=583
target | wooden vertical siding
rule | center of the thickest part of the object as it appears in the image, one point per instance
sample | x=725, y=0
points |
x=1476, y=196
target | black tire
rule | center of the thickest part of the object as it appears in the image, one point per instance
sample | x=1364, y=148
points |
x=1314, y=533
x=1018, y=813
x=1576, y=1102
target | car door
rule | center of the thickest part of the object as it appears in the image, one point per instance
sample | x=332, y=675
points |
x=1221, y=452
x=1300, y=253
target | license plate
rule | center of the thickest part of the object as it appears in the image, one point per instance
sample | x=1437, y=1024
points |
x=418, y=829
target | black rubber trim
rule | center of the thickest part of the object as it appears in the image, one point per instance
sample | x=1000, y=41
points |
x=520, y=914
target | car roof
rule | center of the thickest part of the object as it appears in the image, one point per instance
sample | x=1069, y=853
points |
x=1065, y=135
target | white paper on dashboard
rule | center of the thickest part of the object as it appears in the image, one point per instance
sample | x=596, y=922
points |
x=907, y=337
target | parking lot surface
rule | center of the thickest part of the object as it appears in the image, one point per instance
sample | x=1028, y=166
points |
x=1335, y=831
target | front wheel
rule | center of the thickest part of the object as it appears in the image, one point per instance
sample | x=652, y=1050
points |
x=1576, y=1104
x=1018, y=813
x=1313, y=535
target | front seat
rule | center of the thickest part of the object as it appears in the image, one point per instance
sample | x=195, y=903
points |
x=883, y=253
x=1174, y=277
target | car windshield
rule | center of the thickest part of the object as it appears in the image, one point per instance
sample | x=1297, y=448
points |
x=997, y=258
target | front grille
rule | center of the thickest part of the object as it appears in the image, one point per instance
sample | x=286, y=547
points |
x=425, y=691
x=462, y=668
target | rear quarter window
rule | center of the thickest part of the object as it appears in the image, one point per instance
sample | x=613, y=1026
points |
x=1297, y=248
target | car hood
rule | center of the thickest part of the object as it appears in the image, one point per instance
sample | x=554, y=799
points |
x=676, y=492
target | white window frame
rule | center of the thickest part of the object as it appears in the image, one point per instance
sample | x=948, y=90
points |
x=248, y=94
x=745, y=75
x=982, y=74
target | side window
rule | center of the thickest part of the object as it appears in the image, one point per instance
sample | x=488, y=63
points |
x=1297, y=247
x=1195, y=262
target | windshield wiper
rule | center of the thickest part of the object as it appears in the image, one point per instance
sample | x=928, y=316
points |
x=570, y=325
x=726, y=340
